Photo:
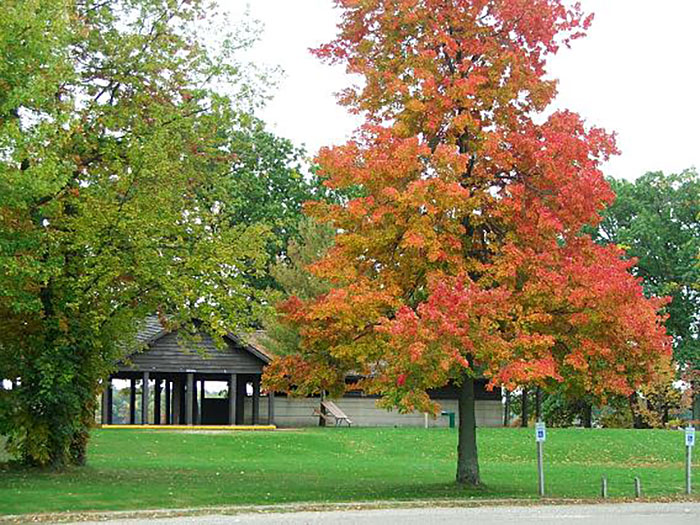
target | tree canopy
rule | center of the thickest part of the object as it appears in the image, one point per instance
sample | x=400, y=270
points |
x=120, y=133
x=272, y=180
x=292, y=275
x=656, y=219
x=465, y=256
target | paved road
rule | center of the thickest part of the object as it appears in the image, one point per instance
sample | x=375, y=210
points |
x=621, y=514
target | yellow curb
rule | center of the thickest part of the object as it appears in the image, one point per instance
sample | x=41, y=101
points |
x=190, y=427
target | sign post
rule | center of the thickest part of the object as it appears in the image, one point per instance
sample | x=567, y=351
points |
x=689, y=444
x=540, y=438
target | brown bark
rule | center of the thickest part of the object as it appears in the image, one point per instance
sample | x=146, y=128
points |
x=78, y=448
x=525, y=412
x=587, y=415
x=467, y=457
x=637, y=419
x=506, y=410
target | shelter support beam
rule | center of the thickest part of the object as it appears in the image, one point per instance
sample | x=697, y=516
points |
x=200, y=412
x=132, y=401
x=232, y=395
x=195, y=402
x=177, y=401
x=144, y=398
x=256, y=400
x=110, y=402
x=189, y=399
x=157, y=401
x=270, y=408
x=168, y=403
x=106, y=406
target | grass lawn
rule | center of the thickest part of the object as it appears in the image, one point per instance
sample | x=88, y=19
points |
x=141, y=469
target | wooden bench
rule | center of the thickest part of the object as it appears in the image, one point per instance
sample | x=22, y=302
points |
x=331, y=413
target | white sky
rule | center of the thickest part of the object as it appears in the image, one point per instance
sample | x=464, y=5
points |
x=637, y=73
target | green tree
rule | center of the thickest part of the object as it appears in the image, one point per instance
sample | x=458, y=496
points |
x=656, y=219
x=272, y=182
x=116, y=156
x=292, y=275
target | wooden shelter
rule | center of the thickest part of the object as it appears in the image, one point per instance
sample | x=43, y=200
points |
x=167, y=386
x=178, y=372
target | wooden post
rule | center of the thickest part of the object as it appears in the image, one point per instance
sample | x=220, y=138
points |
x=322, y=412
x=524, y=416
x=177, y=400
x=270, y=408
x=232, y=396
x=604, y=487
x=105, y=403
x=202, y=395
x=637, y=487
x=110, y=402
x=145, y=398
x=195, y=403
x=256, y=399
x=132, y=402
x=168, y=403
x=241, y=394
x=157, y=402
x=189, y=399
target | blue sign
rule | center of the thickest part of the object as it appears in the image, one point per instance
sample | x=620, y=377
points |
x=540, y=432
x=690, y=437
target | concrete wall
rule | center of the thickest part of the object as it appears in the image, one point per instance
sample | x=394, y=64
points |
x=295, y=412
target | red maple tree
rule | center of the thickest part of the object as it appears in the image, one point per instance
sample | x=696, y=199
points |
x=465, y=256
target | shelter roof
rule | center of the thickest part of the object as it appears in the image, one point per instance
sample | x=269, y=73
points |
x=153, y=335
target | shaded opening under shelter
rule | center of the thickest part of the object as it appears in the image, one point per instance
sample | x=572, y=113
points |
x=167, y=381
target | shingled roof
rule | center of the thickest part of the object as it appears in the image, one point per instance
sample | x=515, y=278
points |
x=152, y=330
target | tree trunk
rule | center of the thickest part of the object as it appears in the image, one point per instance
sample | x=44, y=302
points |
x=78, y=448
x=637, y=419
x=587, y=415
x=506, y=410
x=322, y=411
x=524, y=416
x=467, y=457
x=54, y=415
x=538, y=404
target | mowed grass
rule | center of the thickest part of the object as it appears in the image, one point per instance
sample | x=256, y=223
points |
x=141, y=469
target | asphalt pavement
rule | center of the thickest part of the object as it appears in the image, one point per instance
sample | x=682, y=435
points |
x=616, y=514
